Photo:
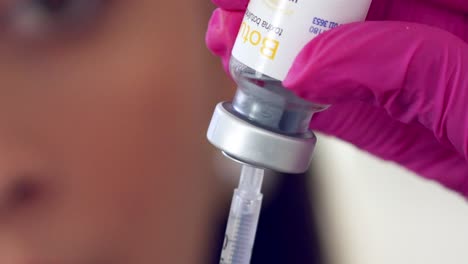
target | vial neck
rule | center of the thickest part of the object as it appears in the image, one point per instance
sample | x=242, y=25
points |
x=274, y=108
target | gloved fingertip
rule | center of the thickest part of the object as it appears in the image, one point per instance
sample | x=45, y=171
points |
x=212, y=38
x=339, y=65
x=309, y=79
x=222, y=31
x=233, y=5
x=295, y=78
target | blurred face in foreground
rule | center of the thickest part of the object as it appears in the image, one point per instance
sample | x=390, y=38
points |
x=102, y=116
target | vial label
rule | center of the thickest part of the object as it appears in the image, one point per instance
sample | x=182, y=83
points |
x=273, y=32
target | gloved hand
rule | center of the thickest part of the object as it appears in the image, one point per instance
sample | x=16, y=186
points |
x=398, y=89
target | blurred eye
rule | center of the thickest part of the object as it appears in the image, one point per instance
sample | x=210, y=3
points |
x=37, y=18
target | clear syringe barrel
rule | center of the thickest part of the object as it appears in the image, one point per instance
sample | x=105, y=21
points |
x=243, y=218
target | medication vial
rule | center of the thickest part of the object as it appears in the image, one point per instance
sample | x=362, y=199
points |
x=266, y=126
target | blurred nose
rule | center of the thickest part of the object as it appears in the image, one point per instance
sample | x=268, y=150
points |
x=17, y=191
x=21, y=180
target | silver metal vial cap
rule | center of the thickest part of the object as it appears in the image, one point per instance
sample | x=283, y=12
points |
x=257, y=146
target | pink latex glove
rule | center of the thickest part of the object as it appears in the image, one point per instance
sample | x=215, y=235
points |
x=399, y=87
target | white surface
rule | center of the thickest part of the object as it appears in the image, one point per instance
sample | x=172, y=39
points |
x=376, y=212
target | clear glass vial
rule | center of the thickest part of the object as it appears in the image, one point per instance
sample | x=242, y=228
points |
x=264, y=101
x=265, y=125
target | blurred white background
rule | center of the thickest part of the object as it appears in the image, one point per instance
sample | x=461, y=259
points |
x=374, y=212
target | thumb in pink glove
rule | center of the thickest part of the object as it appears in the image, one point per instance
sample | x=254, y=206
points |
x=398, y=89
x=407, y=98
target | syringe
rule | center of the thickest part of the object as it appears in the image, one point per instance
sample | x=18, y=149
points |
x=243, y=217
